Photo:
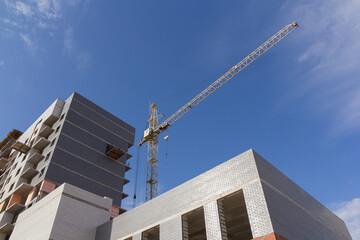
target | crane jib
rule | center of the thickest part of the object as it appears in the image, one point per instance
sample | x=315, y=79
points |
x=151, y=135
x=228, y=75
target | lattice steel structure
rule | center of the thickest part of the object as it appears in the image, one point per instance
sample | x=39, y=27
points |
x=151, y=134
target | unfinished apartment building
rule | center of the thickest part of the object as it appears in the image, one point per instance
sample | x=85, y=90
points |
x=74, y=142
x=244, y=198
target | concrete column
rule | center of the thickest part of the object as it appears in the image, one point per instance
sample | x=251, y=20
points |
x=137, y=236
x=171, y=229
x=257, y=210
x=212, y=221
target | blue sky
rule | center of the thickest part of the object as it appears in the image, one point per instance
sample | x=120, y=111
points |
x=298, y=105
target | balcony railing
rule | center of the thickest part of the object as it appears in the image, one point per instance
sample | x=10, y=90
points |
x=35, y=158
x=41, y=144
x=21, y=147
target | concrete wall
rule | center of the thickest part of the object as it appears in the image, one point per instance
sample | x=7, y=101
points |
x=66, y=213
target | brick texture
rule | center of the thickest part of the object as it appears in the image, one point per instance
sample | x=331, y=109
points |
x=15, y=198
x=271, y=236
x=47, y=186
x=31, y=195
x=114, y=212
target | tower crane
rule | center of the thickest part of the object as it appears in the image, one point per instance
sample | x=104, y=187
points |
x=151, y=134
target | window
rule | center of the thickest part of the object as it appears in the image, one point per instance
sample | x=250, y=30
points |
x=52, y=142
x=19, y=154
x=194, y=224
x=62, y=116
x=18, y=171
x=32, y=141
x=153, y=234
x=1, y=194
x=58, y=128
x=26, y=141
x=23, y=158
x=42, y=172
x=11, y=187
x=47, y=156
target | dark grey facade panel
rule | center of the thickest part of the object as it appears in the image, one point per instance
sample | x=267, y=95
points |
x=88, y=151
x=294, y=222
x=97, y=130
x=83, y=168
x=57, y=175
x=88, y=139
x=103, y=112
x=101, y=120
x=285, y=185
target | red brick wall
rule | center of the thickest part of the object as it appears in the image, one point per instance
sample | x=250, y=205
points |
x=30, y=196
x=47, y=186
x=271, y=236
x=114, y=212
x=15, y=198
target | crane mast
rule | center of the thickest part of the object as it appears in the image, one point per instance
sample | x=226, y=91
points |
x=151, y=135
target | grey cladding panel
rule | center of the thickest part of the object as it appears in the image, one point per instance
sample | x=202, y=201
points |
x=285, y=185
x=188, y=196
x=88, y=155
x=89, y=139
x=94, y=172
x=101, y=120
x=60, y=175
x=299, y=224
x=100, y=110
x=95, y=129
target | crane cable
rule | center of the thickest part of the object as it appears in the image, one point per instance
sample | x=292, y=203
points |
x=136, y=176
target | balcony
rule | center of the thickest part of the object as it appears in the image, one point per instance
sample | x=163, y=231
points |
x=6, y=149
x=126, y=181
x=21, y=147
x=5, y=153
x=3, y=162
x=23, y=189
x=124, y=195
x=128, y=156
x=15, y=208
x=45, y=131
x=29, y=173
x=35, y=158
x=114, y=152
x=41, y=144
x=121, y=211
x=7, y=228
x=127, y=168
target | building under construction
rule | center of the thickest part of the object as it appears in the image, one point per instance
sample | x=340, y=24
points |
x=63, y=178
x=74, y=142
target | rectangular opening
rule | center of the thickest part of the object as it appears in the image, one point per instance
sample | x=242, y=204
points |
x=193, y=224
x=233, y=214
x=151, y=234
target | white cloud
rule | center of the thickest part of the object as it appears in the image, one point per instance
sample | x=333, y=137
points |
x=28, y=42
x=332, y=31
x=49, y=8
x=2, y=63
x=83, y=61
x=22, y=8
x=69, y=40
x=350, y=213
